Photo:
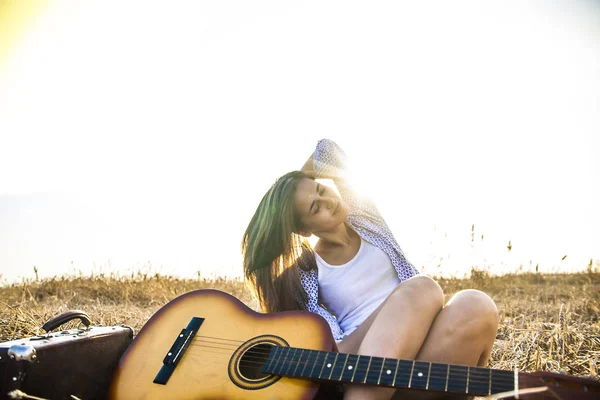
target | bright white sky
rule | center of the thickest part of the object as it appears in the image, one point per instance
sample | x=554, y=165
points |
x=145, y=133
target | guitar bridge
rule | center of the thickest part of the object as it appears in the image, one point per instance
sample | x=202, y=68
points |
x=177, y=350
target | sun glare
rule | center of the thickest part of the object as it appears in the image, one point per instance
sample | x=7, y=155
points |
x=164, y=123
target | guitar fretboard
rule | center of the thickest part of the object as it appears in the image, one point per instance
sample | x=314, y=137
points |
x=353, y=368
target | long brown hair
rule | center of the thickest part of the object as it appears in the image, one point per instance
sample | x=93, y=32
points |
x=272, y=249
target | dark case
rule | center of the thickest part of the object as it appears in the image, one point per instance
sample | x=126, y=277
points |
x=59, y=365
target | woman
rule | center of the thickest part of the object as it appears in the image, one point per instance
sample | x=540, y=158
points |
x=357, y=277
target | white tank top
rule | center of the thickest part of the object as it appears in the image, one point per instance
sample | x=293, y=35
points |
x=352, y=291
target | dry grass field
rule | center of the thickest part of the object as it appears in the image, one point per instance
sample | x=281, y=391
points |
x=547, y=321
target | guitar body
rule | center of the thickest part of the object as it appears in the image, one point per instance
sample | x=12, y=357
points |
x=215, y=363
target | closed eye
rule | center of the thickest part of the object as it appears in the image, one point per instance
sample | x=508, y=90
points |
x=321, y=190
x=316, y=204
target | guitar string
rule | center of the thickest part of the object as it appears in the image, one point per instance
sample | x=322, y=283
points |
x=258, y=357
x=472, y=380
x=229, y=340
x=262, y=353
x=257, y=354
x=265, y=352
x=485, y=382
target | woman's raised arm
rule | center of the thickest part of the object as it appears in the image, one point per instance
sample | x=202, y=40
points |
x=307, y=168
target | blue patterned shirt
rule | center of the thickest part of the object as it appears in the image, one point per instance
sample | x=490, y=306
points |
x=329, y=162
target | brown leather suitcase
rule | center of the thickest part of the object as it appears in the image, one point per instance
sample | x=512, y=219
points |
x=60, y=365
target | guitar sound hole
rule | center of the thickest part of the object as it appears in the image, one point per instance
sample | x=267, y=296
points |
x=253, y=360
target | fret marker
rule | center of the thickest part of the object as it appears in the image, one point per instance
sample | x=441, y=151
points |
x=329, y=365
x=420, y=374
x=350, y=367
x=389, y=371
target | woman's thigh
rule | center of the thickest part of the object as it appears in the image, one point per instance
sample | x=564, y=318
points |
x=420, y=283
x=351, y=343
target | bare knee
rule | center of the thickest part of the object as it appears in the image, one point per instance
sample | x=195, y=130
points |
x=420, y=291
x=474, y=312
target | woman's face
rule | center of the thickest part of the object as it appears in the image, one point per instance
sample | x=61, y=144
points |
x=319, y=207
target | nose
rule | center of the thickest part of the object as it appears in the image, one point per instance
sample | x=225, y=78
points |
x=329, y=201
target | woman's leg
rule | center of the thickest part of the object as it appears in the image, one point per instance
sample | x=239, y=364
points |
x=409, y=325
x=462, y=333
x=397, y=329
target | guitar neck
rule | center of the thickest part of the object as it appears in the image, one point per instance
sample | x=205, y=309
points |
x=353, y=368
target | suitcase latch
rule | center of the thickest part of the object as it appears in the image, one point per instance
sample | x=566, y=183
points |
x=22, y=352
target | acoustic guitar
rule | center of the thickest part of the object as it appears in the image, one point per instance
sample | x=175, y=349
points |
x=206, y=344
